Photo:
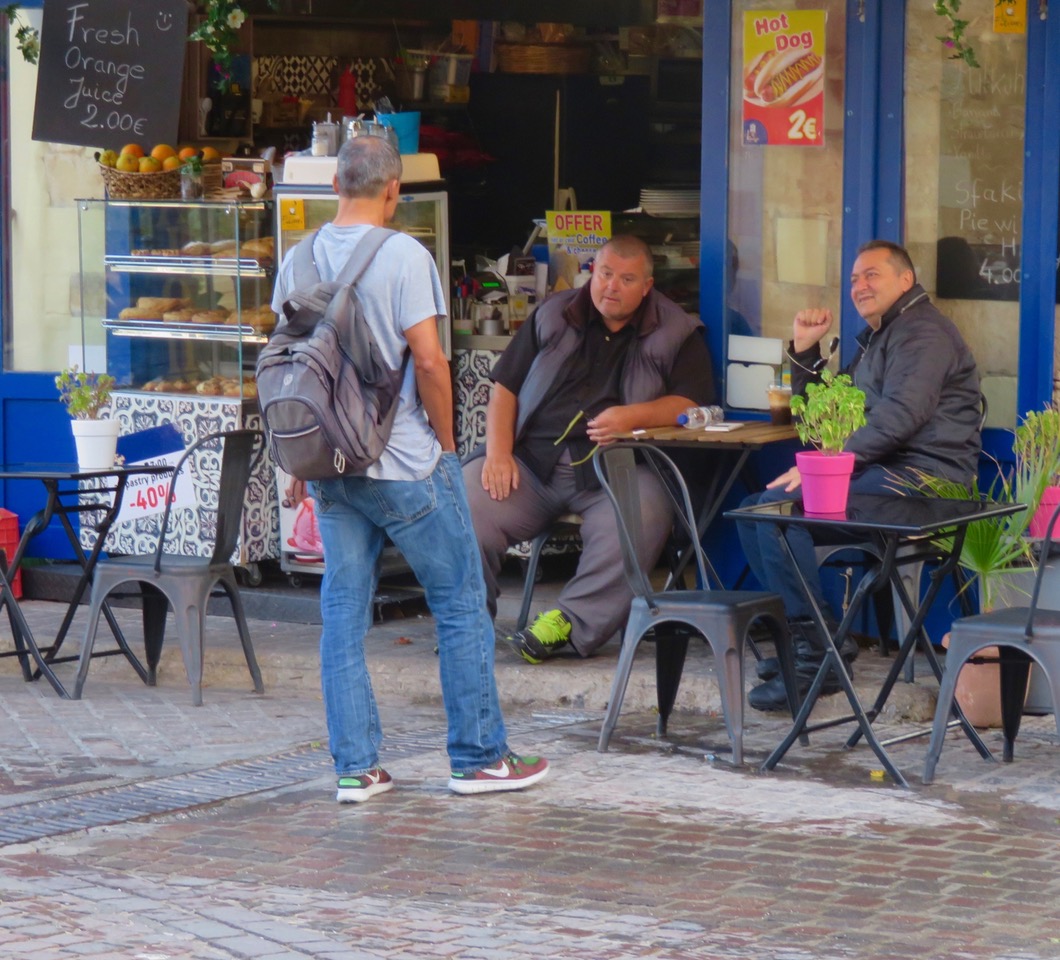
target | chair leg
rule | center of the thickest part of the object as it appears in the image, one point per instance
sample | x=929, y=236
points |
x=670, y=651
x=630, y=641
x=729, y=669
x=89, y=641
x=231, y=588
x=189, y=624
x=155, y=608
x=1015, y=667
x=943, y=710
x=536, y=546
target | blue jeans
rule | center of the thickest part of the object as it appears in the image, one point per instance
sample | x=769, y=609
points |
x=765, y=553
x=429, y=521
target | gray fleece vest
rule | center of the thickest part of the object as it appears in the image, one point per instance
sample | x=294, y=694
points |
x=560, y=326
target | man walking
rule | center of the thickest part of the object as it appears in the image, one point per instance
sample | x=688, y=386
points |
x=415, y=496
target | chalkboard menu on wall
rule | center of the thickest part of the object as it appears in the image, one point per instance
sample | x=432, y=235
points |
x=110, y=72
x=981, y=176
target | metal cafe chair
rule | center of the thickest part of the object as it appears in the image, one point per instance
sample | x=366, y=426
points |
x=563, y=526
x=1020, y=634
x=182, y=582
x=722, y=617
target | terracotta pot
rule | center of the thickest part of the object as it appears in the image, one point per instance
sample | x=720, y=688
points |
x=825, y=480
x=979, y=689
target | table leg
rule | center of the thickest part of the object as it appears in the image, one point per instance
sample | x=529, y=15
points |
x=833, y=661
x=917, y=614
x=88, y=565
x=711, y=507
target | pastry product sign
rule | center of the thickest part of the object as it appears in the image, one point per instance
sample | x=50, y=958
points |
x=783, y=78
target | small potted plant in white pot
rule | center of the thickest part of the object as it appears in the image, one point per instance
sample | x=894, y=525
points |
x=826, y=417
x=86, y=397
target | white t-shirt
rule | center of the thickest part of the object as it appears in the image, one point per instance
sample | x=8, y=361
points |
x=399, y=289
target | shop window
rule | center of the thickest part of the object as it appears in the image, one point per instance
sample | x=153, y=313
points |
x=964, y=186
x=785, y=186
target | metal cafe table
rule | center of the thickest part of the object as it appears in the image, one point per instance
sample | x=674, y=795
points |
x=926, y=528
x=96, y=497
x=729, y=450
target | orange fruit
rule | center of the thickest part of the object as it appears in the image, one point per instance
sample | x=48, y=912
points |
x=127, y=163
x=163, y=152
x=149, y=165
x=211, y=155
x=171, y=163
x=186, y=153
x=133, y=149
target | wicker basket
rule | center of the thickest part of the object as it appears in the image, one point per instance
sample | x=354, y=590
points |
x=543, y=58
x=141, y=186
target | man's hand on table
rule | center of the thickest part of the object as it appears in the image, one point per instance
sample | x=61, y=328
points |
x=500, y=476
x=790, y=481
x=607, y=424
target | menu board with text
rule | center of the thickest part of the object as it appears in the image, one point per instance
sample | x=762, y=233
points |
x=108, y=70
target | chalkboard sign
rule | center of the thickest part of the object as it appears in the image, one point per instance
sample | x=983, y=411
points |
x=110, y=72
x=981, y=175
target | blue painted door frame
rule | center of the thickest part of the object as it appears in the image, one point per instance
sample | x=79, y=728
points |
x=873, y=148
x=33, y=426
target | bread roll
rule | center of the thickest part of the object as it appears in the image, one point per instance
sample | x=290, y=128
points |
x=196, y=248
x=140, y=313
x=210, y=316
x=162, y=304
x=183, y=315
x=223, y=248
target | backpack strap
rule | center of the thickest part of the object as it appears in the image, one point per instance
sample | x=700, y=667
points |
x=362, y=255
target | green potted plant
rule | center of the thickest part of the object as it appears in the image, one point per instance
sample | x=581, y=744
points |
x=86, y=397
x=826, y=417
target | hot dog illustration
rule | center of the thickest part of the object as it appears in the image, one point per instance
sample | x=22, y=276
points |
x=784, y=79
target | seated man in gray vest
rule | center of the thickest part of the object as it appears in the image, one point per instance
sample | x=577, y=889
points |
x=607, y=358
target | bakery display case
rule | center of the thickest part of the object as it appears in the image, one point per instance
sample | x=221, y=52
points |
x=175, y=305
x=175, y=294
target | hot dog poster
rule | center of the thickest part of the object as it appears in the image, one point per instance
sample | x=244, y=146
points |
x=783, y=78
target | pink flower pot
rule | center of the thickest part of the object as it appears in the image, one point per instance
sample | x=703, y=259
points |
x=825, y=480
x=1040, y=520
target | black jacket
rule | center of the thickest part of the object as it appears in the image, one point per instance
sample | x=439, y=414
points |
x=922, y=399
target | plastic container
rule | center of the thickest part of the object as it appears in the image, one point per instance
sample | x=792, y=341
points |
x=695, y=418
x=449, y=70
x=407, y=128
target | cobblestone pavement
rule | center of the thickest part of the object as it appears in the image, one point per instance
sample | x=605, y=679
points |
x=133, y=825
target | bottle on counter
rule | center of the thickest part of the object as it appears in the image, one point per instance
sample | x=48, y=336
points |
x=695, y=418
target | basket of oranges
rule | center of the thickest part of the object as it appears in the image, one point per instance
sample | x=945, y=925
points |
x=133, y=174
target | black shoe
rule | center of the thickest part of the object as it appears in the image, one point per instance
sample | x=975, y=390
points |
x=769, y=667
x=771, y=696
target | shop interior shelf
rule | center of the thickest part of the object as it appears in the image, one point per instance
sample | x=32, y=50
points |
x=188, y=266
x=162, y=330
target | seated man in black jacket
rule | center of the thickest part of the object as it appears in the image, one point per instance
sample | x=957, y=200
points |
x=922, y=411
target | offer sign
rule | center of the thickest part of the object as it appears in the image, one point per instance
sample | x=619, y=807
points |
x=783, y=78
x=146, y=494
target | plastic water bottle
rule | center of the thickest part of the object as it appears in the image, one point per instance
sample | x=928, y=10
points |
x=695, y=418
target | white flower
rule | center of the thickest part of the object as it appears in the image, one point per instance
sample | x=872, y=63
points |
x=236, y=18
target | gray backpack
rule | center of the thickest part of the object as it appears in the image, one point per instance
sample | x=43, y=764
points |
x=326, y=394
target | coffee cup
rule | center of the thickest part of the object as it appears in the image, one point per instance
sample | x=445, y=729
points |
x=779, y=403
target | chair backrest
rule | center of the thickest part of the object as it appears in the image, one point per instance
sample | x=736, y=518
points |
x=1043, y=561
x=984, y=411
x=616, y=468
x=240, y=452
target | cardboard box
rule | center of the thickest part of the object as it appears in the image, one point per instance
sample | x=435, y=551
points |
x=248, y=170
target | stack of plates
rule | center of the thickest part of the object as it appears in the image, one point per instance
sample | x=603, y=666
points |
x=670, y=201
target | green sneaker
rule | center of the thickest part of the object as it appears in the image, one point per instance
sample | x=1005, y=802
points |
x=543, y=638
